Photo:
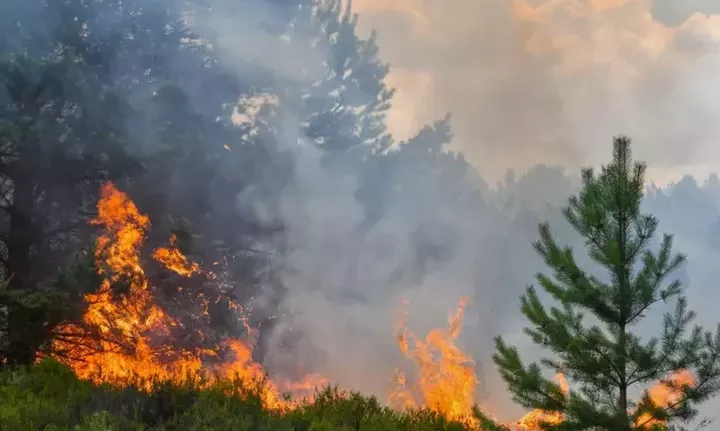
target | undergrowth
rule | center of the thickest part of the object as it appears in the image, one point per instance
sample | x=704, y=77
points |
x=48, y=396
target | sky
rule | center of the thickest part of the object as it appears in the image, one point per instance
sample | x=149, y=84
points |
x=551, y=81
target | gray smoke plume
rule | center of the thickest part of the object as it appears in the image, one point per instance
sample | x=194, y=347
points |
x=541, y=81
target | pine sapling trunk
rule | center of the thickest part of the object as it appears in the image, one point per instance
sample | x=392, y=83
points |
x=623, y=386
x=625, y=297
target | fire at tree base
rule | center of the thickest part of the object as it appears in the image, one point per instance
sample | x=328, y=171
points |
x=116, y=340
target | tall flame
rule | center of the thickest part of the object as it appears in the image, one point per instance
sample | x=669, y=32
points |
x=129, y=323
x=446, y=379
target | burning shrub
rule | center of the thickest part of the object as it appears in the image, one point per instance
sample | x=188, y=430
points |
x=49, y=396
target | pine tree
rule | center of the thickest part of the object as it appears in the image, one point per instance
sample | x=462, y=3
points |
x=606, y=362
x=346, y=106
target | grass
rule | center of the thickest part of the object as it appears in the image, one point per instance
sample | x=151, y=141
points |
x=48, y=396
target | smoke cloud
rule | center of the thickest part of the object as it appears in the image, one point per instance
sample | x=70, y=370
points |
x=547, y=81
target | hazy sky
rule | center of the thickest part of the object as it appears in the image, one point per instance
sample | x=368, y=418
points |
x=551, y=81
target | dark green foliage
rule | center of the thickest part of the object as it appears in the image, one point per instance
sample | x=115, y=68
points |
x=347, y=108
x=48, y=396
x=44, y=191
x=604, y=360
x=44, y=309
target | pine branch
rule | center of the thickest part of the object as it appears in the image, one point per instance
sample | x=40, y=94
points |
x=707, y=385
x=649, y=279
x=562, y=332
x=575, y=287
x=650, y=365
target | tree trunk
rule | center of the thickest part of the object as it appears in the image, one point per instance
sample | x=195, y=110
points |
x=25, y=325
x=624, y=306
x=623, y=398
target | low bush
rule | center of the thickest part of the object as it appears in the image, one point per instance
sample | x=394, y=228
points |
x=48, y=396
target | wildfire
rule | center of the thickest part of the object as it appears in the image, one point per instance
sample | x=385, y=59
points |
x=532, y=421
x=174, y=260
x=125, y=349
x=663, y=395
x=446, y=381
x=125, y=337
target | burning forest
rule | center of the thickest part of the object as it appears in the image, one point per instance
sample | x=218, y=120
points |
x=125, y=338
x=207, y=222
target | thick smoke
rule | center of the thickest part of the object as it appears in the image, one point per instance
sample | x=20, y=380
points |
x=547, y=81
x=526, y=84
x=435, y=241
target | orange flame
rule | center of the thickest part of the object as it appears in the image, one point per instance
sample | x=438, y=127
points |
x=127, y=323
x=660, y=394
x=533, y=420
x=174, y=260
x=447, y=381
x=664, y=396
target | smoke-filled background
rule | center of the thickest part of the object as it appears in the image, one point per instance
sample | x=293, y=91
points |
x=546, y=81
x=264, y=129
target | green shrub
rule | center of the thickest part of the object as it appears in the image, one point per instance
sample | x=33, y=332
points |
x=49, y=397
